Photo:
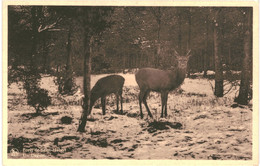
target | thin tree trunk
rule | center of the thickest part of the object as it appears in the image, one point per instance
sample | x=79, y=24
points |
x=189, y=40
x=212, y=57
x=155, y=58
x=124, y=62
x=157, y=15
x=180, y=35
x=86, y=81
x=34, y=36
x=44, y=55
x=245, y=75
x=129, y=61
x=199, y=62
x=68, y=87
x=158, y=36
x=229, y=56
x=158, y=54
x=218, y=65
x=202, y=60
x=69, y=60
x=206, y=61
x=140, y=60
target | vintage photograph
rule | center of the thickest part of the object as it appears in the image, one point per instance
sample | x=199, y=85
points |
x=130, y=82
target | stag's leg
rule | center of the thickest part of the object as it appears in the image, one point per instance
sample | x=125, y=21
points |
x=103, y=103
x=117, y=102
x=121, y=100
x=145, y=103
x=141, y=97
x=166, y=99
x=163, y=98
x=162, y=101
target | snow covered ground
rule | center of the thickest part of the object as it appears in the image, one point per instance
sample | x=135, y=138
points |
x=198, y=126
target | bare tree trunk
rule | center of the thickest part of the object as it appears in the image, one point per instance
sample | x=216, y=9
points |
x=158, y=37
x=129, y=61
x=69, y=60
x=206, y=54
x=179, y=34
x=155, y=57
x=198, y=62
x=229, y=56
x=44, y=53
x=245, y=75
x=124, y=61
x=218, y=65
x=157, y=15
x=189, y=40
x=202, y=61
x=88, y=44
x=140, y=60
x=34, y=36
x=68, y=86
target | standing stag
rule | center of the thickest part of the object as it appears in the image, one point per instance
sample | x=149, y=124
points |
x=162, y=81
x=105, y=86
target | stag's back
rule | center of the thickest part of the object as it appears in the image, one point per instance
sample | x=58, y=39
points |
x=155, y=79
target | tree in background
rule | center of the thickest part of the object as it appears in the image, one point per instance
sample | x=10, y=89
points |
x=206, y=52
x=246, y=75
x=157, y=13
x=218, y=55
x=36, y=96
x=64, y=73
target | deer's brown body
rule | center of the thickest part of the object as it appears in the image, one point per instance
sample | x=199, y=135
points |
x=162, y=81
x=106, y=86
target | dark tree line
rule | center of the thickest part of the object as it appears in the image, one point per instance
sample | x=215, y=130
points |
x=70, y=41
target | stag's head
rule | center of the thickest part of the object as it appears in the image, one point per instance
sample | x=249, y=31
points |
x=182, y=60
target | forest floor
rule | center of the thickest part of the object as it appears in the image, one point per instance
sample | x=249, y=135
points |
x=198, y=126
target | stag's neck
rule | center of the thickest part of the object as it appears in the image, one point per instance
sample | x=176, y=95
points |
x=182, y=71
x=181, y=74
x=178, y=75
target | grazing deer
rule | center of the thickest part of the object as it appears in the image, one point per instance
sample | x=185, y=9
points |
x=162, y=81
x=105, y=86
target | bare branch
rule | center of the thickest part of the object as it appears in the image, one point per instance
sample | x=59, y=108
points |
x=47, y=27
x=232, y=85
x=213, y=89
x=227, y=91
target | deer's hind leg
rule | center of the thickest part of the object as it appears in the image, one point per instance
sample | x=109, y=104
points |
x=117, y=102
x=163, y=103
x=145, y=103
x=103, y=103
x=121, y=100
x=165, y=109
x=141, y=98
x=164, y=98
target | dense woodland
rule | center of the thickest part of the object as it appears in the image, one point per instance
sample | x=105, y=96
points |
x=78, y=41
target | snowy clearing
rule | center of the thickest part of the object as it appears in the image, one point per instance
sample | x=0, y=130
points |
x=198, y=126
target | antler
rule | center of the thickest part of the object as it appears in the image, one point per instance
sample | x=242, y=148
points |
x=188, y=52
x=176, y=52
